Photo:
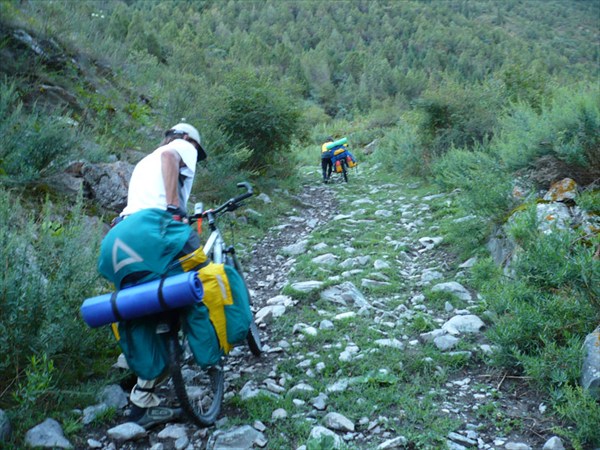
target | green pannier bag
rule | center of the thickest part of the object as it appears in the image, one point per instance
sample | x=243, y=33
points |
x=239, y=315
x=201, y=335
x=123, y=253
x=228, y=303
x=211, y=327
x=145, y=351
x=223, y=319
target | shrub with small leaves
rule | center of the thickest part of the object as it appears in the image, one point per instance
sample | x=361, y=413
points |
x=50, y=269
x=258, y=114
x=34, y=144
x=577, y=406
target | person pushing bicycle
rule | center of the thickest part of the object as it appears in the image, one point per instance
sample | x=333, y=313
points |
x=145, y=239
x=326, y=163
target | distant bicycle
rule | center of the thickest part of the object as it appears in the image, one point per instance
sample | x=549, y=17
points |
x=342, y=161
x=340, y=171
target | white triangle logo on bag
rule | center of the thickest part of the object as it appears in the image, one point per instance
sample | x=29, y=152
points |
x=120, y=248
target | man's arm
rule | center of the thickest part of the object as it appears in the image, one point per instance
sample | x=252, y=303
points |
x=171, y=161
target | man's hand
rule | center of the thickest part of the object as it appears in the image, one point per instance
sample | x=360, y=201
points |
x=178, y=213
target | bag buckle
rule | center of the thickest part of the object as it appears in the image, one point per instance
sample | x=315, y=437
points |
x=162, y=328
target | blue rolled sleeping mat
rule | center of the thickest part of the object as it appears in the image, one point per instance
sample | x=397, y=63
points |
x=143, y=299
x=337, y=143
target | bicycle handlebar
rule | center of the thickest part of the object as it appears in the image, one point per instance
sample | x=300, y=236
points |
x=230, y=205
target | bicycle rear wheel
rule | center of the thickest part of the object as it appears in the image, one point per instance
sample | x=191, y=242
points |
x=345, y=170
x=200, y=391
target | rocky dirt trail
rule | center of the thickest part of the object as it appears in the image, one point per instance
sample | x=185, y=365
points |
x=268, y=268
x=496, y=411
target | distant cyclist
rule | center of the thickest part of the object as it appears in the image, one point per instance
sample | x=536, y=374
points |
x=145, y=239
x=326, y=163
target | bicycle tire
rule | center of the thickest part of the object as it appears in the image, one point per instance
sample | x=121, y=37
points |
x=253, y=337
x=345, y=170
x=200, y=391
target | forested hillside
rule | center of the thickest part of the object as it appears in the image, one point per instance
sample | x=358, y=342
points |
x=496, y=101
x=151, y=61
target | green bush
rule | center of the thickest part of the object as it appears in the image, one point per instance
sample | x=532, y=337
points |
x=35, y=143
x=39, y=380
x=550, y=299
x=526, y=84
x=22, y=289
x=50, y=268
x=364, y=137
x=76, y=247
x=313, y=116
x=556, y=365
x=450, y=117
x=566, y=128
x=217, y=177
x=589, y=200
x=457, y=116
x=479, y=176
x=399, y=152
x=577, y=406
x=558, y=261
x=467, y=236
x=259, y=115
x=528, y=321
x=547, y=306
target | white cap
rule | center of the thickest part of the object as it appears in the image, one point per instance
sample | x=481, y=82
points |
x=192, y=133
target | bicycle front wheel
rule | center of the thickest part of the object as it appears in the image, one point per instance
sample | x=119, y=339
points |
x=199, y=390
x=253, y=336
x=253, y=339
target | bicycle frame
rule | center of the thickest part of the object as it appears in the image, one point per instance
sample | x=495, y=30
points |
x=214, y=246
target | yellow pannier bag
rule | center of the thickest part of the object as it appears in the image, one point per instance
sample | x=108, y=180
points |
x=228, y=302
x=339, y=150
x=192, y=260
x=217, y=294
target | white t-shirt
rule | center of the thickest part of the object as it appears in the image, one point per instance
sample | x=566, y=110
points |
x=147, y=188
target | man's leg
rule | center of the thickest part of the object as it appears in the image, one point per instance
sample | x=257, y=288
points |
x=143, y=395
x=324, y=169
x=146, y=410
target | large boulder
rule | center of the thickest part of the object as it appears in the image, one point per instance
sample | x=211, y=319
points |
x=562, y=191
x=548, y=169
x=590, y=373
x=107, y=184
x=371, y=147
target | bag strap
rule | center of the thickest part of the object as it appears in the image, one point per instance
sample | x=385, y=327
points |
x=113, y=305
x=202, y=265
x=161, y=297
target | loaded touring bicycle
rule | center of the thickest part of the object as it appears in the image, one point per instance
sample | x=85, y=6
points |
x=190, y=320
